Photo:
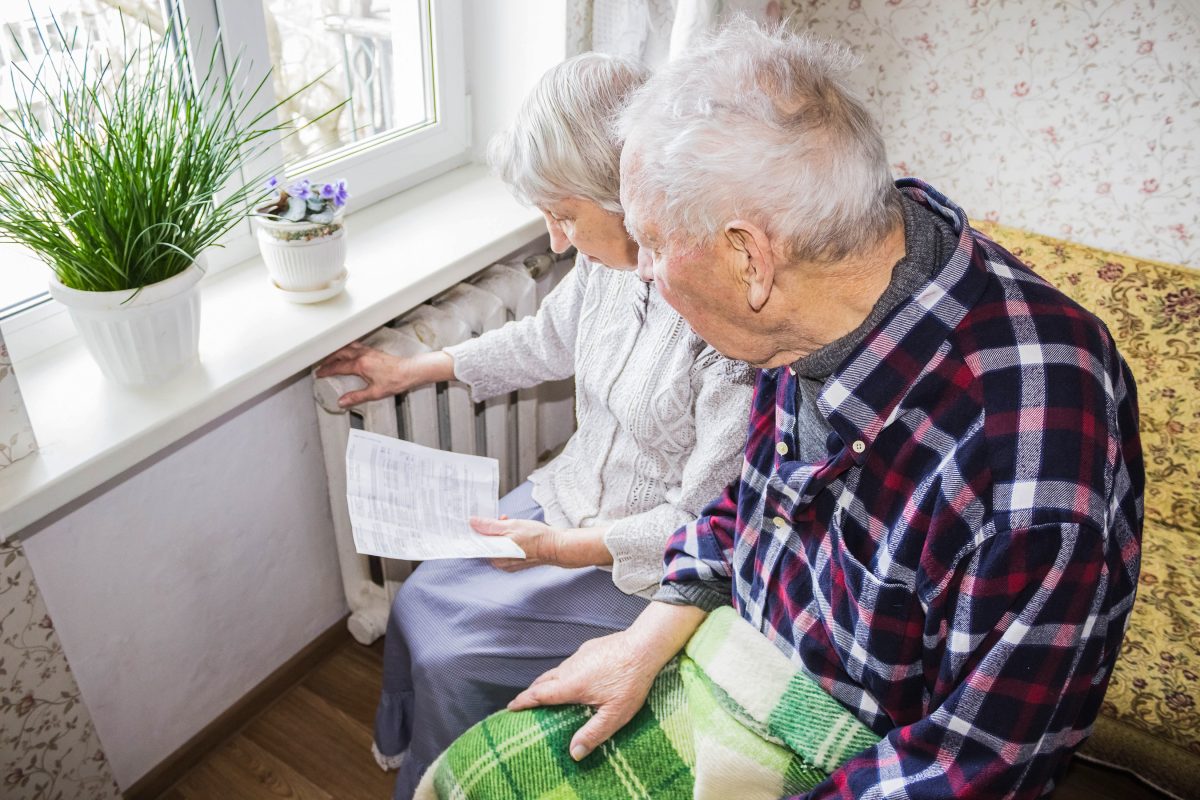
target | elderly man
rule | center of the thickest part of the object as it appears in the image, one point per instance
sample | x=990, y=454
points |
x=939, y=514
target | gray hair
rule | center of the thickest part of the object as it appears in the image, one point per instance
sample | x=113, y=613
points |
x=759, y=124
x=561, y=143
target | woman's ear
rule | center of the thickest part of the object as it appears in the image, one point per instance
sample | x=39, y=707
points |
x=755, y=260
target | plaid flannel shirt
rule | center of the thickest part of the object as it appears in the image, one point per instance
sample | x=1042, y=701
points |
x=960, y=569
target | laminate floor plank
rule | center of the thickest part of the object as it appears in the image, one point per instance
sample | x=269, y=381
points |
x=241, y=770
x=349, y=680
x=206, y=781
x=322, y=743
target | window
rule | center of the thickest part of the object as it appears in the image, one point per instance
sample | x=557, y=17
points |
x=373, y=60
x=396, y=66
x=22, y=49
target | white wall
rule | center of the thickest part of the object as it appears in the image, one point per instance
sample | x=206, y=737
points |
x=180, y=588
x=509, y=45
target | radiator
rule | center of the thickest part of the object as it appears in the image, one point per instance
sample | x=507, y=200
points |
x=442, y=416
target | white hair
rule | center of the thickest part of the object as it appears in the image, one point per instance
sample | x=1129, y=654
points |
x=561, y=143
x=758, y=124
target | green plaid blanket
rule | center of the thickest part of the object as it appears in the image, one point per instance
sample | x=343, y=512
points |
x=730, y=717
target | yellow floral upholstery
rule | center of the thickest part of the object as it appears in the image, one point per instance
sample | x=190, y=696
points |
x=1150, y=722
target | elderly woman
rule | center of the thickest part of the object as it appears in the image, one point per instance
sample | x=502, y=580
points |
x=660, y=428
x=933, y=545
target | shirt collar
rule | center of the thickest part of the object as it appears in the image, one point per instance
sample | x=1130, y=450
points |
x=861, y=395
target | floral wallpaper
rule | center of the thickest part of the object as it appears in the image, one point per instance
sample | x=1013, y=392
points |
x=1072, y=118
x=48, y=746
x=16, y=434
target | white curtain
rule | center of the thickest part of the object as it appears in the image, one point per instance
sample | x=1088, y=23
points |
x=655, y=30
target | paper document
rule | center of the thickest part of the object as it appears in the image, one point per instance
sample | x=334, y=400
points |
x=413, y=502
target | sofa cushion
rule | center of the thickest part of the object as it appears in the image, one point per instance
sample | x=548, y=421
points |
x=1150, y=721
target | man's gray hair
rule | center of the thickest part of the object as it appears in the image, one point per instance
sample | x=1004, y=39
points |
x=561, y=143
x=759, y=124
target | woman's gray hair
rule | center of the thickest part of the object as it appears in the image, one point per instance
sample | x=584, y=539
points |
x=759, y=124
x=561, y=143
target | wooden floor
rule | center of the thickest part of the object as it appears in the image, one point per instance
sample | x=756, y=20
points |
x=314, y=743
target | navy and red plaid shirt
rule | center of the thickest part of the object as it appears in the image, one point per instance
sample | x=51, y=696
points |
x=960, y=569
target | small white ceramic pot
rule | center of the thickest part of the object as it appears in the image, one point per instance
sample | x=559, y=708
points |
x=303, y=256
x=139, y=336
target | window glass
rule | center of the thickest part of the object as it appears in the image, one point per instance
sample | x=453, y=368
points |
x=374, y=55
x=22, y=49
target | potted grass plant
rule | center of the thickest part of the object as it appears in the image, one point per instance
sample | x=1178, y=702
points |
x=117, y=171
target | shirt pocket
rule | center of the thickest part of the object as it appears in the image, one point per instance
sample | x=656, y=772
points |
x=883, y=616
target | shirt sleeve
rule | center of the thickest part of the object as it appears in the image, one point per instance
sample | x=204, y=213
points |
x=1030, y=635
x=697, y=566
x=528, y=351
x=722, y=390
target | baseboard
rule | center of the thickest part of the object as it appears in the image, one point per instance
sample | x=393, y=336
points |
x=291, y=672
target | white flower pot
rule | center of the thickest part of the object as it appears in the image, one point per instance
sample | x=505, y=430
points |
x=303, y=256
x=139, y=337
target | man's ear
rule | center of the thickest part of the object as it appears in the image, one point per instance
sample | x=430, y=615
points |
x=756, y=260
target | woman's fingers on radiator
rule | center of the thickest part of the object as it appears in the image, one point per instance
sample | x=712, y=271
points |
x=346, y=354
x=361, y=396
x=375, y=367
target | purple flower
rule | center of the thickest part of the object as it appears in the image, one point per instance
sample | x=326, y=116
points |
x=300, y=189
x=341, y=195
x=328, y=191
x=272, y=183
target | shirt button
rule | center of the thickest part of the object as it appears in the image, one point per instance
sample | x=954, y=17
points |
x=780, y=522
x=781, y=448
x=859, y=446
x=791, y=370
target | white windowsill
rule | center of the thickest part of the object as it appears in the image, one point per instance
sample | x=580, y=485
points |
x=402, y=251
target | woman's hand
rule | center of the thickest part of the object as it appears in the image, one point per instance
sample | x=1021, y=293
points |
x=613, y=674
x=385, y=374
x=576, y=547
x=539, y=541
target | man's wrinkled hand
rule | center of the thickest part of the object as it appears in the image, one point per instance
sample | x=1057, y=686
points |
x=611, y=674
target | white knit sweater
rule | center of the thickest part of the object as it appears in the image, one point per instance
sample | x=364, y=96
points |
x=661, y=416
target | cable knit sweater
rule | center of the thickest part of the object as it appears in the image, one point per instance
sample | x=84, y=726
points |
x=661, y=416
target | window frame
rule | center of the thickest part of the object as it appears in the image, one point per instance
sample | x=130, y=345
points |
x=373, y=171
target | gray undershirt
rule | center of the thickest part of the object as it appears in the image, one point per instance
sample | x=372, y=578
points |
x=929, y=241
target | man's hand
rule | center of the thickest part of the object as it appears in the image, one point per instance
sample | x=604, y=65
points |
x=610, y=674
x=613, y=674
x=577, y=547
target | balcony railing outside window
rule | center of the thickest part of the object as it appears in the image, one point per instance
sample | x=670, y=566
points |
x=370, y=52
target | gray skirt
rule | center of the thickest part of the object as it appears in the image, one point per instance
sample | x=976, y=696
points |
x=465, y=638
